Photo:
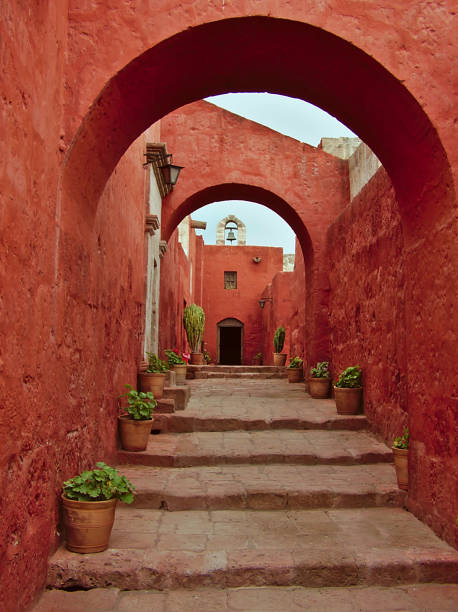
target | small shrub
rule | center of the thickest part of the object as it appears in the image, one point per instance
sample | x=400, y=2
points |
x=156, y=365
x=174, y=358
x=402, y=441
x=350, y=378
x=296, y=362
x=321, y=370
x=140, y=405
x=99, y=485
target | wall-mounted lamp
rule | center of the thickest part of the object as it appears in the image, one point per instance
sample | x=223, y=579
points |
x=170, y=171
x=262, y=301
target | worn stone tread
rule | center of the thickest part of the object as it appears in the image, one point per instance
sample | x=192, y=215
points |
x=230, y=548
x=407, y=598
x=267, y=487
x=280, y=446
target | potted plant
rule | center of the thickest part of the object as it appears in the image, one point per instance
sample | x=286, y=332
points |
x=279, y=341
x=177, y=364
x=194, y=325
x=89, y=502
x=401, y=454
x=135, y=424
x=153, y=378
x=257, y=359
x=294, y=370
x=319, y=380
x=207, y=357
x=348, y=390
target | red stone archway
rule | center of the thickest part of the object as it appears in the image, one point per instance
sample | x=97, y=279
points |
x=300, y=60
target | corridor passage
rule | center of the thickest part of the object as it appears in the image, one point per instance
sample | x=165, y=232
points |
x=259, y=498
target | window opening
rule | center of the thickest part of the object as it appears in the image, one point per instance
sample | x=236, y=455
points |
x=230, y=280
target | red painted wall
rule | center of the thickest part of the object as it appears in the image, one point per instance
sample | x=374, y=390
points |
x=279, y=312
x=241, y=303
x=367, y=279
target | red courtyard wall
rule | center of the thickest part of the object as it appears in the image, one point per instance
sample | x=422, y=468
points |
x=278, y=312
x=367, y=278
x=241, y=303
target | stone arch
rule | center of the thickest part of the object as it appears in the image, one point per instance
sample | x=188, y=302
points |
x=351, y=85
x=241, y=230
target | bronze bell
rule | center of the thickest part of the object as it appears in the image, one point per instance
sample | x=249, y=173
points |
x=231, y=236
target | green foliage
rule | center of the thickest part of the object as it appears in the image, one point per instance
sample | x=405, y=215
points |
x=295, y=363
x=99, y=485
x=194, y=325
x=140, y=405
x=173, y=358
x=402, y=441
x=258, y=356
x=155, y=364
x=350, y=378
x=321, y=370
x=279, y=339
x=207, y=357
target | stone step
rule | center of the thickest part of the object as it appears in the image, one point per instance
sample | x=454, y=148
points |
x=180, y=394
x=189, y=422
x=411, y=598
x=242, y=372
x=272, y=487
x=164, y=406
x=155, y=549
x=245, y=375
x=256, y=447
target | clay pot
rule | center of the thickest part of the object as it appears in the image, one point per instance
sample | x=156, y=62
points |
x=279, y=359
x=348, y=401
x=197, y=358
x=134, y=434
x=154, y=382
x=295, y=375
x=401, y=465
x=88, y=524
x=319, y=387
x=180, y=373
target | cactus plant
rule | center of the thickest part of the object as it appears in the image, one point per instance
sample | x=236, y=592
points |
x=194, y=325
x=279, y=339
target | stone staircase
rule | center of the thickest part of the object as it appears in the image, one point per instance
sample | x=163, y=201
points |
x=259, y=498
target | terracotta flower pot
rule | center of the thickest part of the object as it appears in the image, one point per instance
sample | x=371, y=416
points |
x=348, y=401
x=88, y=524
x=197, y=358
x=279, y=359
x=134, y=434
x=401, y=465
x=154, y=382
x=295, y=375
x=180, y=373
x=319, y=387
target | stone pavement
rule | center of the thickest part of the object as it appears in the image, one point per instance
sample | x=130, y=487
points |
x=260, y=518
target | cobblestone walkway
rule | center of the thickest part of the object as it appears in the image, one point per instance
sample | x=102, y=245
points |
x=258, y=499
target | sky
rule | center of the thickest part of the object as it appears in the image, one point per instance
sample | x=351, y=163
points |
x=289, y=116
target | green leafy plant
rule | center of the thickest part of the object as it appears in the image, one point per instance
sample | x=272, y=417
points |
x=140, y=405
x=194, y=325
x=402, y=441
x=321, y=370
x=350, y=378
x=296, y=362
x=173, y=358
x=99, y=485
x=156, y=365
x=279, y=339
x=258, y=356
x=207, y=357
